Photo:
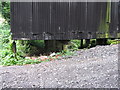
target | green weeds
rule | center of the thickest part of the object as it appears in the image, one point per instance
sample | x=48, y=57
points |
x=111, y=42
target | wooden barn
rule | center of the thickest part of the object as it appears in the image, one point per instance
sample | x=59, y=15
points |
x=64, y=20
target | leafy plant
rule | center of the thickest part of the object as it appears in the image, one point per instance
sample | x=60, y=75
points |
x=74, y=45
x=113, y=41
x=5, y=10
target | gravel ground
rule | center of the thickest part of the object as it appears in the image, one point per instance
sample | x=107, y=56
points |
x=91, y=68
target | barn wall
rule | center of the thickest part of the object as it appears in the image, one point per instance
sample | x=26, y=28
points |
x=63, y=20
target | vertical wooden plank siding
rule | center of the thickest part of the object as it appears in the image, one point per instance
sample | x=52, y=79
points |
x=64, y=20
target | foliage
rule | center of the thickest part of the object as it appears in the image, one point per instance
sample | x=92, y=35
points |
x=5, y=10
x=7, y=57
x=75, y=44
x=4, y=43
x=117, y=41
x=34, y=47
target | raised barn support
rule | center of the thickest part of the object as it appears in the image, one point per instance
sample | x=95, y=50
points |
x=55, y=45
x=81, y=44
x=14, y=49
x=101, y=41
x=87, y=42
x=93, y=43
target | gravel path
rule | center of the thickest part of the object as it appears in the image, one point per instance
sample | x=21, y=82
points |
x=93, y=68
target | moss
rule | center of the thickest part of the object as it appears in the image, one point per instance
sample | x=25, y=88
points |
x=104, y=23
x=118, y=35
